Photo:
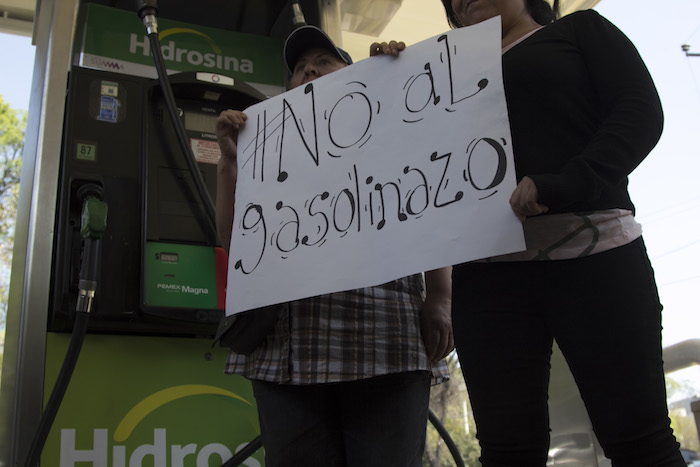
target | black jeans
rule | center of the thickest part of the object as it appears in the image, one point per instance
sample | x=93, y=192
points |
x=604, y=312
x=379, y=421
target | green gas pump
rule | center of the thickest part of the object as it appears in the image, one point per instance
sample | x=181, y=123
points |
x=148, y=387
x=162, y=270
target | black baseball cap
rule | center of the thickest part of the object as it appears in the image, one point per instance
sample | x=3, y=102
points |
x=309, y=37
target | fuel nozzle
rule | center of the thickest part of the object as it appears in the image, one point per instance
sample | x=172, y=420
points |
x=93, y=223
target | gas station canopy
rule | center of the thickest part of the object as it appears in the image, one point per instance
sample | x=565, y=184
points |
x=367, y=17
x=17, y=17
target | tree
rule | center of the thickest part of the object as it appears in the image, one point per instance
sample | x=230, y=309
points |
x=12, y=127
x=680, y=395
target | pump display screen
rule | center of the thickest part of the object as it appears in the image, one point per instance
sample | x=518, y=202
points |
x=195, y=121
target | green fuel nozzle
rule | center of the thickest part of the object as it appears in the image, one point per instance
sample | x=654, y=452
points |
x=93, y=223
x=93, y=219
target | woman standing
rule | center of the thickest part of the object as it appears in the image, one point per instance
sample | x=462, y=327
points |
x=584, y=113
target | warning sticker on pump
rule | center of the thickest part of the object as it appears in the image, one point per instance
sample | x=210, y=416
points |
x=109, y=109
x=109, y=88
x=204, y=151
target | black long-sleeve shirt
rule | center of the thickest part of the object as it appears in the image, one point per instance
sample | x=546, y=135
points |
x=584, y=112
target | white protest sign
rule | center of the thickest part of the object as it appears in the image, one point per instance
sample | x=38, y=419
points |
x=385, y=168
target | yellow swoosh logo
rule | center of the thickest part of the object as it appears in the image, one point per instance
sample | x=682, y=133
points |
x=172, y=31
x=159, y=399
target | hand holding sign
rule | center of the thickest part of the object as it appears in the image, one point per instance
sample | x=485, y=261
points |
x=383, y=169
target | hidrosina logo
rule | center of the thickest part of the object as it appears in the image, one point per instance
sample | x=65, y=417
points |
x=158, y=452
x=172, y=53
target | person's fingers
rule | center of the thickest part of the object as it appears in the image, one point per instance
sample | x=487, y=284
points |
x=237, y=118
x=515, y=202
x=524, y=200
x=450, y=345
x=396, y=47
x=391, y=48
x=439, y=342
x=530, y=198
x=231, y=118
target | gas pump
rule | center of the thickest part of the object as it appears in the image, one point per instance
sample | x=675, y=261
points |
x=160, y=281
x=163, y=271
x=157, y=211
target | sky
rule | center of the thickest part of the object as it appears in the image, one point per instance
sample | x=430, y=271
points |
x=664, y=187
x=17, y=53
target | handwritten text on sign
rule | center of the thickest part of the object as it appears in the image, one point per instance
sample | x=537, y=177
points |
x=385, y=168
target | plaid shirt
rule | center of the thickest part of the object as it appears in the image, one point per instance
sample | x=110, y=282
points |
x=344, y=336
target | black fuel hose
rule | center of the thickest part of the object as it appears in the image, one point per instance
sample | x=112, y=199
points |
x=93, y=225
x=59, y=389
x=182, y=138
x=256, y=444
x=446, y=437
x=244, y=453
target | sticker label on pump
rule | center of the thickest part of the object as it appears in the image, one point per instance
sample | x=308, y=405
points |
x=109, y=109
x=180, y=276
x=206, y=152
x=109, y=104
x=109, y=88
x=86, y=151
x=107, y=101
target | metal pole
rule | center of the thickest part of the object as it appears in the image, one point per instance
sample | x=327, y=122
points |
x=21, y=394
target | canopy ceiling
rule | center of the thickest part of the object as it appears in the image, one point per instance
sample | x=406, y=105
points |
x=366, y=17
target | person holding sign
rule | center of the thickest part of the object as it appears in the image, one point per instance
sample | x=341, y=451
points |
x=344, y=378
x=584, y=112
